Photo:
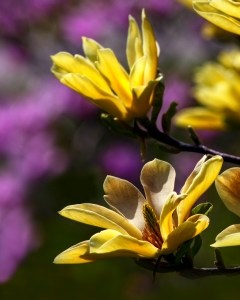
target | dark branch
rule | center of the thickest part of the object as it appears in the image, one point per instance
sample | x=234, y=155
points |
x=190, y=273
x=156, y=134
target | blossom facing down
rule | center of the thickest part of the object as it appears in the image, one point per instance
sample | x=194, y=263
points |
x=228, y=188
x=222, y=13
x=102, y=79
x=217, y=89
x=143, y=226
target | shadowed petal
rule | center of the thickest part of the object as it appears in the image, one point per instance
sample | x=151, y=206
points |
x=228, y=188
x=157, y=178
x=125, y=198
x=228, y=237
x=96, y=215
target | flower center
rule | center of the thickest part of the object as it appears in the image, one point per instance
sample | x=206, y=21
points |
x=151, y=232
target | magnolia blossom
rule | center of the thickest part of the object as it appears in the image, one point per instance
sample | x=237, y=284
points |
x=217, y=90
x=222, y=13
x=102, y=79
x=227, y=185
x=143, y=226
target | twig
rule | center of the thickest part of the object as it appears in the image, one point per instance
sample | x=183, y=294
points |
x=166, y=139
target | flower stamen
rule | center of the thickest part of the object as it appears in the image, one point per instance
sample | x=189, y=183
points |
x=151, y=232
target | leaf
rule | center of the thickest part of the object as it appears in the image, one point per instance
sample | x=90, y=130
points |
x=167, y=117
x=202, y=208
x=196, y=245
x=157, y=101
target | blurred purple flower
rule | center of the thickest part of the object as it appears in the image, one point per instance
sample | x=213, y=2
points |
x=28, y=151
x=17, y=238
x=94, y=20
x=16, y=15
x=98, y=19
x=12, y=189
x=122, y=160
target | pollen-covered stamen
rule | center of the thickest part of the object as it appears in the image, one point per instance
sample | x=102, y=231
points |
x=151, y=232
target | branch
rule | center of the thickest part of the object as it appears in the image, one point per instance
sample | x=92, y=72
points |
x=166, y=139
x=190, y=273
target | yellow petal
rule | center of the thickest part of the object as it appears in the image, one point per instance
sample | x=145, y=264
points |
x=150, y=49
x=166, y=219
x=142, y=97
x=87, y=88
x=65, y=63
x=90, y=48
x=76, y=254
x=228, y=237
x=137, y=72
x=185, y=232
x=111, y=243
x=228, y=188
x=197, y=183
x=217, y=17
x=118, y=78
x=134, y=43
x=125, y=198
x=200, y=118
x=228, y=7
x=96, y=215
x=157, y=178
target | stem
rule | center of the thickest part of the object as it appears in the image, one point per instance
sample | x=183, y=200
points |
x=166, y=139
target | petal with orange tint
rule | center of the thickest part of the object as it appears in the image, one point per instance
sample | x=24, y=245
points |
x=111, y=243
x=228, y=188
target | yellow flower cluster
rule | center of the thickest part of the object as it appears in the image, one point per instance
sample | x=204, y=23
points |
x=222, y=13
x=217, y=89
x=101, y=79
x=143, y=226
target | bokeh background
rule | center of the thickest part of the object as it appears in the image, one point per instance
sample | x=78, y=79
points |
x=54, y=150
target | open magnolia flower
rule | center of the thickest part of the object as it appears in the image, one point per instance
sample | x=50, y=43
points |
x=217, y=89
x=102, y=79
x=138, y=226
x=222, y=13
x=228, y=187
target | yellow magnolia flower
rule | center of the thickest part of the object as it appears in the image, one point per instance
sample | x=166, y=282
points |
x=103, y=80
x=228, y=187
x=217, y=89
x=143, y=226
x=222, y=13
